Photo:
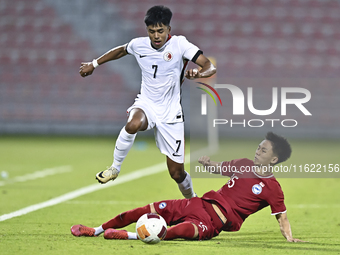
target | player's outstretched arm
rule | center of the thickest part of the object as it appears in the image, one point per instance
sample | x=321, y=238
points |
x=285, y=227
x=87, y=68
x=212, y=166
x=208, y=69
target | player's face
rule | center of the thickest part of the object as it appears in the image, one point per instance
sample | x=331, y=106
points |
x=158, y=35
x=264, y=155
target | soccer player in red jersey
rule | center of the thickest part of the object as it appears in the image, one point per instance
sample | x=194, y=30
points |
x=251, y=187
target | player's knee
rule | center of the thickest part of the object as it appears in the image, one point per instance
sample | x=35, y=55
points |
x=177, y=174
x=133, y=126
x=137, y=121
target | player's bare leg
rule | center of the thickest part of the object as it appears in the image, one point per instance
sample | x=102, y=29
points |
x=182, y=178
x=137, y=121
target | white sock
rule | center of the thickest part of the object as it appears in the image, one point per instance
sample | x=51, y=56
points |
x=98, y=230
x=186, y=187
x=132, y=236
x=124, y=143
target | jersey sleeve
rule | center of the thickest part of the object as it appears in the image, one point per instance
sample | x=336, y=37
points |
x=130, y=47
x=189, y=50
x=276, y=200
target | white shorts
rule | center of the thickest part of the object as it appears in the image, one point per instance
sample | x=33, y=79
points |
x=169, y=136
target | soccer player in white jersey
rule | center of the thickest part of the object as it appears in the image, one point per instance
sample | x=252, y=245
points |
x=163, y=60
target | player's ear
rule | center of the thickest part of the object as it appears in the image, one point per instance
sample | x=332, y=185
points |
x=169, y=28
x=274, y=160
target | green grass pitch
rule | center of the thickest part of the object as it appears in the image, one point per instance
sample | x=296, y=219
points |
x=313, y=205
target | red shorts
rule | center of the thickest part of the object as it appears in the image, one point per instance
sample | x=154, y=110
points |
x=188, y=210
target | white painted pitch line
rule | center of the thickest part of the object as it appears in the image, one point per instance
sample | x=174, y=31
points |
x=86, y=190
x=111, y=202
x=38, y=174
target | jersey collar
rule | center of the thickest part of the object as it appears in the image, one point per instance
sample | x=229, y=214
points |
x=263, y=176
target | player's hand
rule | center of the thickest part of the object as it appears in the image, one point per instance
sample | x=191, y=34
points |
x=192, y=74
x=295, y=240
x=204, y=160
x=86, y=69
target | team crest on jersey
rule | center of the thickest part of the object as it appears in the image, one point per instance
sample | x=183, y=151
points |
x=168, y=56
x=162, y=205
x=256, y=189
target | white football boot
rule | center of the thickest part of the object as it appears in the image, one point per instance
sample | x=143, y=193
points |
x=107, y=175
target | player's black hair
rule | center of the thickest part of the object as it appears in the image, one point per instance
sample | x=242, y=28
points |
x=281, y=146
x=158, y=15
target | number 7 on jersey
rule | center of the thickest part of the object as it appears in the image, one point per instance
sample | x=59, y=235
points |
x=154, y=67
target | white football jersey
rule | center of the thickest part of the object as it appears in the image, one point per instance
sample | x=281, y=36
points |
x=162, y=74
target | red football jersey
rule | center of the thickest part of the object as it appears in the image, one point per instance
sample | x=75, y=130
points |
x=246, y=193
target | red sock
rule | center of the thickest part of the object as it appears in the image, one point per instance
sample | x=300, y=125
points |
x=126, y=218
x=183, y=230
